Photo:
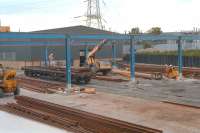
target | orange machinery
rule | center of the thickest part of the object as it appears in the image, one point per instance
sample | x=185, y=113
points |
x=4, y=28
x=8, y=83
x=97, y=65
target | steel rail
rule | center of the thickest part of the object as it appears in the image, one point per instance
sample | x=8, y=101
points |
x=92, y=122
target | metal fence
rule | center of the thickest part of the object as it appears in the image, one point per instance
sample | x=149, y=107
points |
x=188, y=61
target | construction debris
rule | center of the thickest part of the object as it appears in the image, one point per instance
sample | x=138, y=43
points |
x=88, y=90
x=192, y=72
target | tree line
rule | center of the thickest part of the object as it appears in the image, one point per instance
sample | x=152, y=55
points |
x=153, y=30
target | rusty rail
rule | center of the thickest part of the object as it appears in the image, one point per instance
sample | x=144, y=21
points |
x=150, y=68
x=73, y=119
x=153, y=75
x=38, y=85
x=45, y=117
x=182, y=105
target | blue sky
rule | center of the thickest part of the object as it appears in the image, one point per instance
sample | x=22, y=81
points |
x=121, y=15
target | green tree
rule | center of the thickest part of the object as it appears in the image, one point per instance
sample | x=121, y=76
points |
x=146, y=44
x=155, y=30
x=135, y=30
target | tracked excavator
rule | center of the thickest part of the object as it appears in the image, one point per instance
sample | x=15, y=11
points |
x=97, y=65
x=8, y=83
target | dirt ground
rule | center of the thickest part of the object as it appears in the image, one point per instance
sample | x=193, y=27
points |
x=154, y=114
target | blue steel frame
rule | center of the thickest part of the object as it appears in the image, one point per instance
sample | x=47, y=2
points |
x=114, y=55
x=67, y=43
x=46, y=56
x=27, y=42
x=180, y=57
x=68, y=63
x=132, y=38
x=132, y=57
x=86, y=51
x=178, y=38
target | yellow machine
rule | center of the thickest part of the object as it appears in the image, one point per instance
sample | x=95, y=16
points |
x=8, y=83
x=171, y=72
x=98, y=66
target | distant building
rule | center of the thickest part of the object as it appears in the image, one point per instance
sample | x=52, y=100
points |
x=77, y=46
x=37, y=53
x=4, y=28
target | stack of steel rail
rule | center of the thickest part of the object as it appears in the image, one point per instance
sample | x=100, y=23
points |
x=38, y=85
x=152, y=68
x=72, y=119
x=161, y=68
x=125, y=73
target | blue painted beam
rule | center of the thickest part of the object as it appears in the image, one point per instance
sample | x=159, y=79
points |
x=46, y=56
x=150, y=37
x=68, y=64
x=85, y=42
x=86, y=53
x=19, y=35
x=190, y=37
x=114, y=55
x=31, y=43
x=144, y=37
x=100, y=37
x=132, y=57
x=39, y=43
x=180, y=57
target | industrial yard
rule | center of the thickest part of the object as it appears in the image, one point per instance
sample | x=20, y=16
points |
x=91, y=78
x=146, y=105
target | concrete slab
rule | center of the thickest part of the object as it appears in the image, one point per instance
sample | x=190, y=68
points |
x=186, y=91
x=166, y=117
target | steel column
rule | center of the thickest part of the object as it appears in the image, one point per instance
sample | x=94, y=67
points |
x=68, y=64
x=46, y=56
x=132, y=59
x=180, y=57
x=86, y=53
x=114, y=54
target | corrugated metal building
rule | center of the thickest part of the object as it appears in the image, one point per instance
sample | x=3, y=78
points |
x=106, y=51
x=37, y=53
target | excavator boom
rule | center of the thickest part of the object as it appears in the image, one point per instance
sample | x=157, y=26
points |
x=98, y=66
x=97, y=48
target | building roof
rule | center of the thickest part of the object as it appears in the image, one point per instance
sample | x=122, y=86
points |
x=76, y=30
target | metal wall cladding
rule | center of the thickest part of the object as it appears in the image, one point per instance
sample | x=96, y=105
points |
x=37, y=53
x=20, y=53
x=105, y=52
x=188, y=61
